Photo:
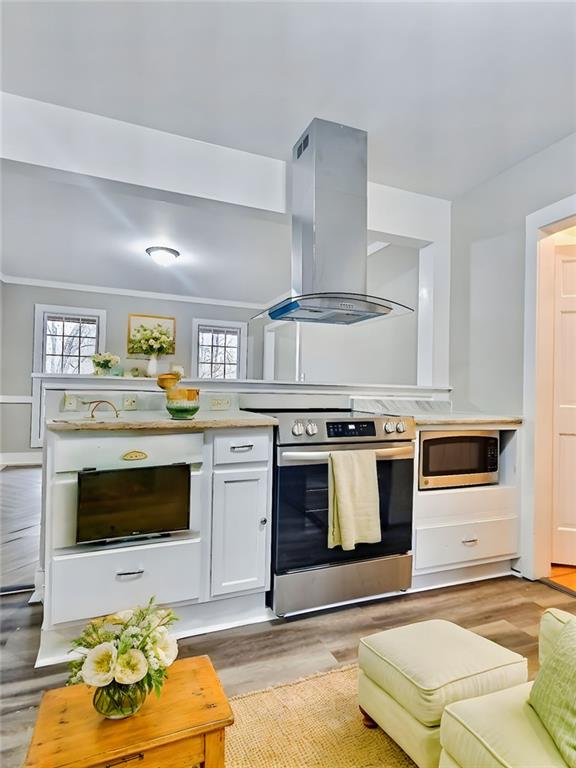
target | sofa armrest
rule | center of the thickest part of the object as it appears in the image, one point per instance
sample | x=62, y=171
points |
x=550, y=625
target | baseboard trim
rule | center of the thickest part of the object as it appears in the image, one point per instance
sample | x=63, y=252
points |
x=23, y=459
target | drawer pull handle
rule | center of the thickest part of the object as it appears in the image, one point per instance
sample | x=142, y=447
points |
x=247, y=447
x=263, y=521
x=473, y=540
x=134, y=456
x=139, y=572
x=128, y=758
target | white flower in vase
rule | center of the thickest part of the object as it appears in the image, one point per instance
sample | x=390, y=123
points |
x=124, y=656
x=166, y=646
x=104, y=362
x=131, y=667
x=99, y=665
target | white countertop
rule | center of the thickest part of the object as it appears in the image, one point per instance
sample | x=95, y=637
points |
x=431, y=412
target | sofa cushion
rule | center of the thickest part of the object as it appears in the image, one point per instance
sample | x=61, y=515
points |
x=553, y=695
x=447, y=761
x=500, y=730
x=427, y=665
x=551, y=624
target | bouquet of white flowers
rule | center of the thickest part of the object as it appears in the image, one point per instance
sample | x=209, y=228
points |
x=125, y=657
x=104, y=361
x=151, y=341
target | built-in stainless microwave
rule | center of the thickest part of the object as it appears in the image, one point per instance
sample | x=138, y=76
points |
x=453, y=459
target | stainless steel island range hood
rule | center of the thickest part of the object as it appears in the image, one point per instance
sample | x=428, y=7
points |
x=329, y=230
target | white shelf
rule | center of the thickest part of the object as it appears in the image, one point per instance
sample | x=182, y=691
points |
x=95, y=547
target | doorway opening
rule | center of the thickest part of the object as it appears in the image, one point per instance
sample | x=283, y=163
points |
x=555, y=434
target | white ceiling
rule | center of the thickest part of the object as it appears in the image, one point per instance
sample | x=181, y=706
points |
x=69, y=228
x=450, y=93
x=74, y=229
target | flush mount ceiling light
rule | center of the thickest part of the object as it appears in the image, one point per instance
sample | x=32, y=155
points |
x=163, y=256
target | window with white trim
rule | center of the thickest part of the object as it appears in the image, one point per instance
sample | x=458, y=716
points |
x=219, y=350
x=65, y=338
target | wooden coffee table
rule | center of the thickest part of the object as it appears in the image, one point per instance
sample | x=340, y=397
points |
x=181, y=729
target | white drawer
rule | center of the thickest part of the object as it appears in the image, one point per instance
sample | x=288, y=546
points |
x=463, y=543
x=241, y=446
x=92, y=584
x=451, y=505
x=103, y=450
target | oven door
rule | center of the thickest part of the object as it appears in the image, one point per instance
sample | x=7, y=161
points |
x=300, y=537
x=455, y=459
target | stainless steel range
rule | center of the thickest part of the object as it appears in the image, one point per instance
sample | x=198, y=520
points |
x=307, y=575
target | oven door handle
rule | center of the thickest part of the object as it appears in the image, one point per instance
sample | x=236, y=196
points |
x=398, y=452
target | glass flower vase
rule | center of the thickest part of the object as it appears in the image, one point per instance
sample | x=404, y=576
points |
x=116, y=701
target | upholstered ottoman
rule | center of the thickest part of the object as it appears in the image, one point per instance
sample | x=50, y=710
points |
x=409, y=674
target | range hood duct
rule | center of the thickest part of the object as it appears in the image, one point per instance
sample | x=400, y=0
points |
x=329, y=230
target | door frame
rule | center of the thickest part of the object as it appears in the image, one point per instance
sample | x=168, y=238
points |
x=536, y=463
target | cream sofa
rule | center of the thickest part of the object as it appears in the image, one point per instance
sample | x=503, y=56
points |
x=501, y=729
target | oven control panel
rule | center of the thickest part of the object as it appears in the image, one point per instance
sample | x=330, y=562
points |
x=345, y=429
x=324, y=427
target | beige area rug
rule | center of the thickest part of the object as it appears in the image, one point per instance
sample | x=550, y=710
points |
x=312, y=723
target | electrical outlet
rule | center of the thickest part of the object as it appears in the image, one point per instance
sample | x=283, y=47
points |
x=219, y=404
x=129, y=403
x=70, y=402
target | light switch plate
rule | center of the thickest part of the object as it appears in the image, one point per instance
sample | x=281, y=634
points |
x=219, y=404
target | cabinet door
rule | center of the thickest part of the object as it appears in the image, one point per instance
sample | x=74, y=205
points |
x=239, y=531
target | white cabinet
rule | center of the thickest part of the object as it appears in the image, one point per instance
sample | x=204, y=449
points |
x=235, y=446
x=109, y=450
x=112, y=580
x=464, y=543
x=214, y=574
x=463, y=529
x=240, y=530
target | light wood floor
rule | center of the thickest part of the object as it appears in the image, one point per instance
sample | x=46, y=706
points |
x=506, y=610
x=20, y=506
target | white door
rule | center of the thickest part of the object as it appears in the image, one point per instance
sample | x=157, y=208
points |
x=240, y=523
x=564, y=449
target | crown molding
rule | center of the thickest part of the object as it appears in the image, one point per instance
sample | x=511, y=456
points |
x=39, y=283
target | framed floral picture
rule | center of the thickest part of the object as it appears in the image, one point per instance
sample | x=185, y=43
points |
x=147, y=333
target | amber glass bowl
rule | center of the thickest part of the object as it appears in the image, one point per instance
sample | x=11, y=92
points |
x=168, y=380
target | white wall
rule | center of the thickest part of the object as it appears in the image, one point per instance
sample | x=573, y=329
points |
x=376, y=352
x=410, y=215
x=487, y=290
x=17, y=312
x=286, y=351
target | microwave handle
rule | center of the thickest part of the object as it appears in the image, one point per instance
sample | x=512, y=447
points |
x=398, y=452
